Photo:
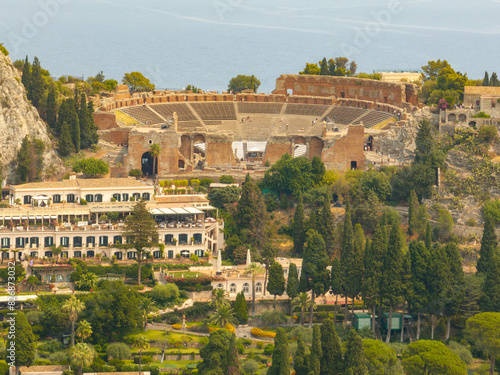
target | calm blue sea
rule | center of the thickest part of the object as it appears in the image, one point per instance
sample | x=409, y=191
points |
x=206, y=42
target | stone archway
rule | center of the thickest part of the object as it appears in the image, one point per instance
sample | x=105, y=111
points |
x=315, y=147
x=199, y=150
x=462, y=117
x=452, y=117
x=147, y=162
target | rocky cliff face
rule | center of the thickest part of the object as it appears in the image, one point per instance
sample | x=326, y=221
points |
x=19, y=118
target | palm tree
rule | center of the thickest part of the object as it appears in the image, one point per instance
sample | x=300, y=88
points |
x=82, y=355
x=219, y=298
x=155, y=151
x=87, y=281
x=304, y=303
x=147, y=307
x=84, y=330
x=141, y=342
x=223, y=315
x=73, y=306
x=253, y=269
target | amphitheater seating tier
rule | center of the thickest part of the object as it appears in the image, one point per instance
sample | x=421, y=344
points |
x=213, y=122
x=373, y=118
x=305, y=109
x=143, y=114
x=184, y=126
x=273, y=108
x=184, y=113
x=215, y=111
x=345, y=115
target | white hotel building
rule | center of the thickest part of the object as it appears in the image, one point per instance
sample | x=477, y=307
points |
x=45, y=214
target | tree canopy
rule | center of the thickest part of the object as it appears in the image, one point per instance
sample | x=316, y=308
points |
x=432, y=357
x=136, y=81
x=91, y=167
x=242, y=82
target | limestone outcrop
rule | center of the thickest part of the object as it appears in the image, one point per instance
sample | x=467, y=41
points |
x=19, y=118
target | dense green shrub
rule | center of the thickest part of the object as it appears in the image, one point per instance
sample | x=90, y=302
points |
x=272, y=317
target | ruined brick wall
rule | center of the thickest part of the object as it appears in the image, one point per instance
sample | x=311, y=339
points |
x=220, y=154
x=340, y=152
x=117, y=136
x=347, y=87
x=140, y=142
x=274, y=151
x=105, y=120
x=315, y=147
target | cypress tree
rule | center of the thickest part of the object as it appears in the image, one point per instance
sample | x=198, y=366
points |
x=327, y=229
x=331, y=359
x=428, y=236
x=412, y=213
x=494, y=80
x=346, y=254
x=276, y=284
x=65, y=143
x=324, y=67
x=75, y=134
x=490, y=301
x=392, y=272
x=292, y=286
x=94, y=137
x=36, y=85
x=436, y=282
x=355, y=355
x=419, y=295
x=280, y=363
x=300, y=360
x=486, y=79
x=240, y=308
x=316, y=352
x=251, y=214
x=25, y=343
x=489, y=243
x=299, y=228
x=314, y=275
x=84, y=120
x=24, y=160
x=336, y=283
x=355, y=281
x=26, y=78
x=51, y=112
x=233, y=363
x=454, y=288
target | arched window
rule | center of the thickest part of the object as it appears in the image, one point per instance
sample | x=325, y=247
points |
x=59, y=278
x=185, y=253
x=68, y=278
x=258, y=288
x=220, y=286
x=246, y=288
x=232, y=288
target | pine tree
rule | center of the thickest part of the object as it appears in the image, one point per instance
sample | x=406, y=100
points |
x=355, y=355
x=280, y=363
x=392, y=272
x=419, y=295
x=316, y=352
x=36, y=85
x=292, y=286
x=240, y=308
x=233, y=363
x=412, y=213
x=24, y=341
x=324, y=67
x=65, y=143
x=51, y=111
x=140, y=231
x=428, y=236
x=300, y=360
x=276, y=284
x=26, y=78
x=486, y=79
x=336, y=283
x=299, y=228
x=331, y=359
x=314, y=275
x=490, y=301
x=489, y=244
